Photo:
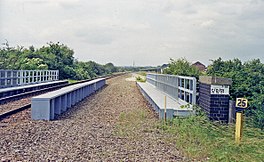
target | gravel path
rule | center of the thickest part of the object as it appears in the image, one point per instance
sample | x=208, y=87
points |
x=115, y=124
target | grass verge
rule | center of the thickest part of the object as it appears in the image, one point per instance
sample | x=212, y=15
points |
x=196, y=137
x=201, y=139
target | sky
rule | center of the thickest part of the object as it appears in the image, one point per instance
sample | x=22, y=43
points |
x=147, y=32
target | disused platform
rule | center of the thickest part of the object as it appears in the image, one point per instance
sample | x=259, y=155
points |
x=157, y=99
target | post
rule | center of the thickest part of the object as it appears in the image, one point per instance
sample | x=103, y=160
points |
x=239, y=125
x=165, y=105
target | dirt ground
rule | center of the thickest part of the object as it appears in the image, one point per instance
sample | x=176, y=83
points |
x=115, y=124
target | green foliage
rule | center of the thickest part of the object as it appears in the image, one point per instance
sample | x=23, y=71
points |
x=248, y=82
x=143, y=73
x=53, y=56
x=110, y=68
x=203, y=140
x=182, y=67
x=33, y=63
x=195, y=136
x=140, y=79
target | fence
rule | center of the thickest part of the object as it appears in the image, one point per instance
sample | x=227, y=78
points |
x=10, y=78
x=181, y=88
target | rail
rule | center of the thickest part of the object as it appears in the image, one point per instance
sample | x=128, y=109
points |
x=22, y=95
x=10, y=78
x=181, y=88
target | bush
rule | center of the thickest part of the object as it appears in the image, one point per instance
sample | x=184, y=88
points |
x=139, y=79
x=248, y=82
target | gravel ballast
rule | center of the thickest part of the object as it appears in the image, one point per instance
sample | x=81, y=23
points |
x=14, y=105
x=97, y=129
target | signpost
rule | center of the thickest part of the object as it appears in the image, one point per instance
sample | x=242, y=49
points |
x=240, y=103
x=165, y=107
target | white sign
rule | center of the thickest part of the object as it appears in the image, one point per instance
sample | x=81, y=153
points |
x=220, y=89
x=241, y=103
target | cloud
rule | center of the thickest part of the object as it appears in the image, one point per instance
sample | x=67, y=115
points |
x=148, y=32
x=97, y=36
x=207, y=23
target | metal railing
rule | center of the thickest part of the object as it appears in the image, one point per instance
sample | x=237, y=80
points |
x=181, y=88
x=10, y=78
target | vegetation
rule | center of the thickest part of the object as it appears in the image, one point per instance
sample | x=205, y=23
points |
x=248, y=82
x=142, y=73
x=182, y=67
x=53, y=56
x=140, y=79
x=195, y=136
x=200, y=139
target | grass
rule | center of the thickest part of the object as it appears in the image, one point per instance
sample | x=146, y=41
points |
x=201, y=139
x=196, y=137
x=142, y=73
x=130, y=123
x=140, y=79
x=72, y=81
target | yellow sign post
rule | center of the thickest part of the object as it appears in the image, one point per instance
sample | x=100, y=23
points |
x=240, y=103
x=239, y=122
x=165, y=105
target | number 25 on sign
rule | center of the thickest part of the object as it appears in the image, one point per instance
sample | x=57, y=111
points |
x=241, y=103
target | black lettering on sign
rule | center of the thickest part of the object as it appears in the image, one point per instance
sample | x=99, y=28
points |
x=241, y=102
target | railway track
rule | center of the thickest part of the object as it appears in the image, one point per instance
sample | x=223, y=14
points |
x=8, y=105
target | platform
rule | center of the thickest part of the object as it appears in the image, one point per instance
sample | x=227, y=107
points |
x=45, y=106
x=157, y=99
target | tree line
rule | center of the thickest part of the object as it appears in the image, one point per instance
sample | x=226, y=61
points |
x=53, y=56
x=247, y=77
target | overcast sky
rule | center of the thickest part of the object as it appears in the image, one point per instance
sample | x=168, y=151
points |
x=149, y=32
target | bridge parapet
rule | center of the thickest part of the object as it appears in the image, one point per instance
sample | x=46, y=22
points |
x=11, y=78
x=181, y=92
x=181, y=88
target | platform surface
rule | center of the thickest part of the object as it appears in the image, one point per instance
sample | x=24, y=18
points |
x=158, y=97
x=64, y=90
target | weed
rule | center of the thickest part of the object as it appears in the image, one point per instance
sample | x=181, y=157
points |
x=139, y=79
x=196, y=137
x=202, y=139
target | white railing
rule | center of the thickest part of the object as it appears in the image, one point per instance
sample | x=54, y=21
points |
x=181, y=88
x=10, y=78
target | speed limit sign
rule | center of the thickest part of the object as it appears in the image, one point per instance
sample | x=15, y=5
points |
x=241, y=103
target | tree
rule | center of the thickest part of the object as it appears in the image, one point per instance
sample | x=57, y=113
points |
x=248, y=82
x=182, y=67
x=53, y=56
x=110, y=68
x=34, y=63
